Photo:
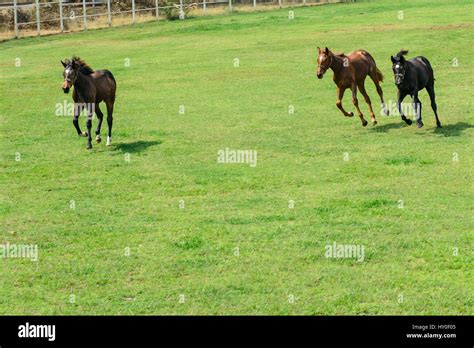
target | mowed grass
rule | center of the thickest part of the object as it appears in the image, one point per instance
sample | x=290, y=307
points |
x=236, y=247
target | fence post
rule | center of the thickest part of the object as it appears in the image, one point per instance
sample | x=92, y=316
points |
x=84, y=13
x=254, y=3
x=230, y=6
x=38, y=23
x=108, y=13
x=204, y=6
x=304, y=2
x=133, y=11
x=279, y=3
x=15, y=14
x=61, y=20
x=157, y=10
x=181, y=11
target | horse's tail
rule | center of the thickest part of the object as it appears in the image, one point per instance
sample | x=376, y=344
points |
x=379, y=74
x=426, y=61
x=111, y=76
x=375, y=73
x=428, y=64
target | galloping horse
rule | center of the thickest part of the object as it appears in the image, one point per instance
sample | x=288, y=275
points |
x=90, y=88
x=350, y=72
x=412, y=76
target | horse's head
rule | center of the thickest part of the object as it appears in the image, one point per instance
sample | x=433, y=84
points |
x=399, y=66
x=324, y=61
x=70, y=74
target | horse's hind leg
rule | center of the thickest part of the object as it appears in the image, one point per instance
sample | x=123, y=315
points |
x=376, y=80
x=367, y=100
x=356, y=104
x=110, y=111
x=431, y=92
x=100, y=116
x=90, y=114
x=417, y=110
x=340, y=95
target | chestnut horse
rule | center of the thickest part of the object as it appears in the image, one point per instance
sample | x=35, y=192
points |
x=350, y=72
x=90, y=88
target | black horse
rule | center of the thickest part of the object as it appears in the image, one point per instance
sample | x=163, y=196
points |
x=90, y=88
x=412, y=76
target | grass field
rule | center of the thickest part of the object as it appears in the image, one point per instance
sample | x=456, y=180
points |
x=237, y=246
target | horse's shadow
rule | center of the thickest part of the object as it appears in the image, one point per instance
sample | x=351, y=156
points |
x=136, y=146
x=388, y=126
x=448, y=130
x=453, y=130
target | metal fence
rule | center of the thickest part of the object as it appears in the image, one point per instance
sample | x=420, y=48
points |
x=34, y=17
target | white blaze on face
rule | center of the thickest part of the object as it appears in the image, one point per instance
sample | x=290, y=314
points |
x=321, y=57
x=67, y=74
x=397, y=66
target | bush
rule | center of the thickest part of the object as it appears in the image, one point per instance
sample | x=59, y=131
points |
x=171, y=10
x=49, y=15
x=7, y=18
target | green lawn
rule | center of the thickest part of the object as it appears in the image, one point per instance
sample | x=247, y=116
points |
x=237, y=247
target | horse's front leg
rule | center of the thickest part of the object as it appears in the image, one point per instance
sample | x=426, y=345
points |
x=78, y=107
x=401, y=96
x=356, y=104
x=340, y=95
x=90, y=113
x=100, y=116
x=417, y=110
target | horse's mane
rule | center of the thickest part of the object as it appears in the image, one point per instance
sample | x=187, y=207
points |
x=84, y=67
x=402, y=53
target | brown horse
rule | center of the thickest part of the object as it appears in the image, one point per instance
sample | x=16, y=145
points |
x=350, y=72
x=90, y=88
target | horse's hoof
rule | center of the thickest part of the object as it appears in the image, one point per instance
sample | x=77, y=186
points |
x=109, y=141
x=386, y=112
x=89, y=146
x=374, y=123
x=439, y=125
x=84, y=134
x=419, y=124
x=350, y=114
x=98, y=139
x=408, y=122
x=364, y=123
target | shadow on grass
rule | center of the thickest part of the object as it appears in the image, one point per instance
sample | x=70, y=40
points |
x=448, y=130
x=388, y=126
x=453, y=130
x=136, y=146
